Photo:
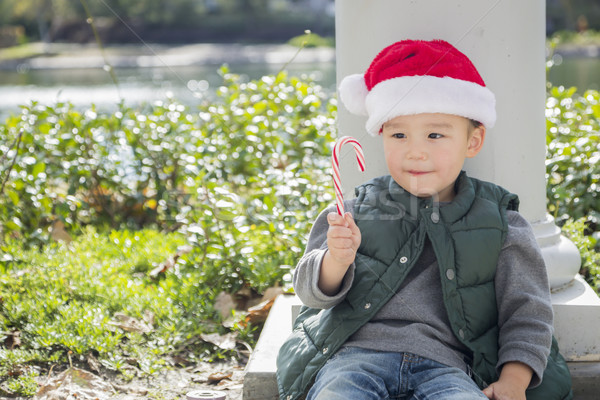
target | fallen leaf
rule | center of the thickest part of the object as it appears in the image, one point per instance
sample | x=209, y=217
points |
x=272, y=292
x=130, y=324
x=93, y=362
x=225, y=342
x=260, y=312
x=131, y=389
x=75, y=383
x=219, y=376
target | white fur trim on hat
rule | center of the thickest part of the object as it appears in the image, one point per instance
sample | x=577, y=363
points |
x=428, y=94
x=353, y=93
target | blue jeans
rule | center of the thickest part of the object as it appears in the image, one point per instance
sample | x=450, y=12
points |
x=357, y=374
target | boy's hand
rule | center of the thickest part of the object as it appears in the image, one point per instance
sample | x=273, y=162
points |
x=503, y=391
x=514, y=380
x=343, y=239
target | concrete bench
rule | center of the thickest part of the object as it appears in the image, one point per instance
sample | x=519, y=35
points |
x=260, y=381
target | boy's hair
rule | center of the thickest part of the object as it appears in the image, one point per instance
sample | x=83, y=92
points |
x=415, y=77
x=474, y=123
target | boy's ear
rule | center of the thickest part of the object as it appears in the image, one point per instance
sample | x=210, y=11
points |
x=476, y=141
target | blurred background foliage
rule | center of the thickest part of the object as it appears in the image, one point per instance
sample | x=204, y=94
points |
x=187, y=21
x=175, y=21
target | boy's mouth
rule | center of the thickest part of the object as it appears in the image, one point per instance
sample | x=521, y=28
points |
x=417, y=173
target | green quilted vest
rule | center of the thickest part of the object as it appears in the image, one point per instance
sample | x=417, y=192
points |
x=467, y=237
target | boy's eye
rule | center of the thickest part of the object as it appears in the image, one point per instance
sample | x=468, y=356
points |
x=399, y=135
x=435, y=135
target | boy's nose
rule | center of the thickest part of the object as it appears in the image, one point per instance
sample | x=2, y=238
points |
x=416, y=154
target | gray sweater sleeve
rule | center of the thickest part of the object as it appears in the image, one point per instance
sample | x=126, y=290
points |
x=306, y=274
x=523, y=294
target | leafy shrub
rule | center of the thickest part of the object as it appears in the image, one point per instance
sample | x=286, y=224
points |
x=237, y=174
x=590, y=259
x=573, y=143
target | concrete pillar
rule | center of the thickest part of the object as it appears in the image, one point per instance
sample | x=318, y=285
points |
x=505, y=39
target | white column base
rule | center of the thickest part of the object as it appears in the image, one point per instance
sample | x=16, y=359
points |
x=577, y=321
x=560, y=254
x=576, y=305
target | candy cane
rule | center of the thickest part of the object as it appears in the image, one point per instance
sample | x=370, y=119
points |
x=335, y=162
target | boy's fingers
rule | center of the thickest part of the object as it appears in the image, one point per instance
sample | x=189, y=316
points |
x=351, y=224
x=489, y=392
x=337, y=231
x=340, y=244
x=335, y=219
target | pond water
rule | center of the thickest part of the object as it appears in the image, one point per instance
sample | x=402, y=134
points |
x=583, y=73
x=186, y=84
x=84, y=87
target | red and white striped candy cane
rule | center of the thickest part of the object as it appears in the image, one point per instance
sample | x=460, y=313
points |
x=335, y=162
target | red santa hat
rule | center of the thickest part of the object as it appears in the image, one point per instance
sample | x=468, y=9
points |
x=416, y=76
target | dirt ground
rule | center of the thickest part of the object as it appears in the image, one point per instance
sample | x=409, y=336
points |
x=174, y=384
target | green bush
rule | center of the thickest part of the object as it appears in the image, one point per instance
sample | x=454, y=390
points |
x=573, y=177
x=590, y=259
x=240, y=168
x=238, y=180
x=573, y=143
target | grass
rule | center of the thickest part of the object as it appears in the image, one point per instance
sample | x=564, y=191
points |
x=22, y=51
x=67, y=302
x=19, y=376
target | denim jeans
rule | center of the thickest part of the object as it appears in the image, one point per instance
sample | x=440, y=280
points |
x=357, y=374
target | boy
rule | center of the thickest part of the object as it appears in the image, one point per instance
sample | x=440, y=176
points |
x=433, y=286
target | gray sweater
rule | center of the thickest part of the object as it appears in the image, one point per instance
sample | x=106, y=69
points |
x=415, y=319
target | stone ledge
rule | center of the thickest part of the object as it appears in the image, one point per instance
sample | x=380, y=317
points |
x=260, y=382
x=586, y=379
x=576, y=319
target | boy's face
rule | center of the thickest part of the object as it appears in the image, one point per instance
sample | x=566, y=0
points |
x=426, y=152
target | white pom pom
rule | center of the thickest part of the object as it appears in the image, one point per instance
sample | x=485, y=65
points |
x=353, y=93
